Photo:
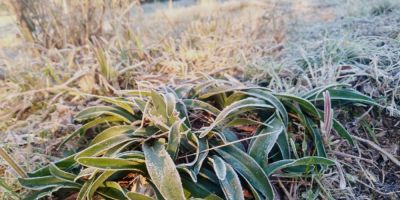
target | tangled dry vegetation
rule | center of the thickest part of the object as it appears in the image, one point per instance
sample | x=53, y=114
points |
x=71, y=55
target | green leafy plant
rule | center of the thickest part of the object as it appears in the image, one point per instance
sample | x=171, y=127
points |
x=209, y=140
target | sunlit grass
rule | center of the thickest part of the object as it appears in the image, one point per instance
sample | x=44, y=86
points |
x=7, y=31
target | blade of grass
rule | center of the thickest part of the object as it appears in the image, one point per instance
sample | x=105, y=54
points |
x=8, y=189
x=12, y=163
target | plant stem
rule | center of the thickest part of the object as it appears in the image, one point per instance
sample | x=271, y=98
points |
x=12, y=163
x=376, y=147
x=8, y=189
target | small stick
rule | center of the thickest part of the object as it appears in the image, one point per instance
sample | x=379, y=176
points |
x=376, y=190
x=352, y=156
x=12, y=163
x=375, y=146
x=285, y=190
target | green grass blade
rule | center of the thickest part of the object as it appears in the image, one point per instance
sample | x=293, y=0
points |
x=124, y=104
x=8, y=189
x=39, y=183
x=311, y=127
x=99, y=181
x=231, y=185
x=112, y=163
x=346, y=96
x=201, y=189
x=203, y=149
x=198, y=104
x=305, y=104
x=268, y=97
x=97, y=111
x=42, y=193
x=63, y=175
x=101, y=147
x=339, y=129
x=174, y=139
x=228, y=179
x=248, y=168
x=305, y=161
x=84, y=190
x=163, y=171
x=260, y=147
x=111, y=132
x=219, y=167
x=317, y=137
x=160, y=105
x=111, y=190
x=249, y=103
x=319, y=90
x=63, y=164
x=137, y=196
x=85, y=127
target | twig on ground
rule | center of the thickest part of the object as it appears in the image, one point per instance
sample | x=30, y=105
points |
x=376, y=190
x=285, y=190
x=352, y=156
x=376, y=147
x=12, y=163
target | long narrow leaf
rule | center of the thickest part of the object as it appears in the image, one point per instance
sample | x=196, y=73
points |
x=96, y=111
x=163, y=172
x=46, y=182
x=228, y=179
x=112, y=163
x=248, y=168
x=307, y=161
x=251, y=103
x=85, y=127
x=137, y=196
x=261, y=146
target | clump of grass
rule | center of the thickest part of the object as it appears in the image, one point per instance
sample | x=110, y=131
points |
x=213, y=139
x=57, y=24
x=348, y=51
x=166, y=47
x=361, y=51
x=382, y=8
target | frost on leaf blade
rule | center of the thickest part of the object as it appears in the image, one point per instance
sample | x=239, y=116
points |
x=162, y=171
